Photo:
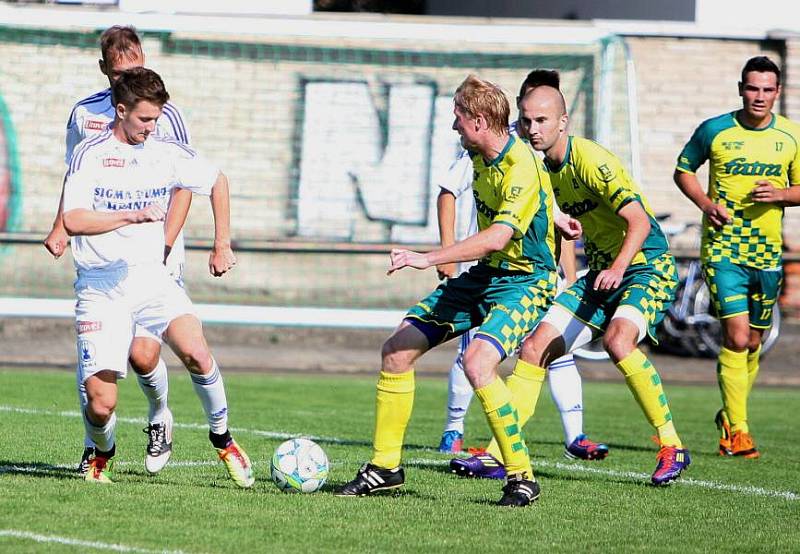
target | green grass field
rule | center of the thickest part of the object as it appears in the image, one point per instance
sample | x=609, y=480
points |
x=191, y=506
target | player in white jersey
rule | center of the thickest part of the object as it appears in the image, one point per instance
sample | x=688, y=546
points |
x=115, y=198
x=565, y=381
x=121, y=49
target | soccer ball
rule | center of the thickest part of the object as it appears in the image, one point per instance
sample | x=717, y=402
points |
x=299, y=465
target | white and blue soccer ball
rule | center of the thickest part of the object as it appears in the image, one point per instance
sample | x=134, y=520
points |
x=299, y=465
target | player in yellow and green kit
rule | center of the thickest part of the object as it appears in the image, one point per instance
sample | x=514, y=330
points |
x=504, y=295
x=754, y=169
x=631, y=282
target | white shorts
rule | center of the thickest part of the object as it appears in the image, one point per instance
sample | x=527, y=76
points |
x=111, y=303
x=176, y=273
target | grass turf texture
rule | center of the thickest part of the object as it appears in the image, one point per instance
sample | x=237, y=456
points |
x=192, y=506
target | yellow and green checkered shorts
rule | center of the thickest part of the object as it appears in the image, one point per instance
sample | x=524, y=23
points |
x=650, y=288
x=505, y=306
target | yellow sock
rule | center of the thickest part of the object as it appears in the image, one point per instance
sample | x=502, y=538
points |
x=525, y=384
x=504, y=423
x=732, y=373
x=752, y=368
x=393, y=403
x=645, y=384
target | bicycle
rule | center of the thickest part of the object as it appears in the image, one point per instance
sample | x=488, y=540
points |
x=690, y=326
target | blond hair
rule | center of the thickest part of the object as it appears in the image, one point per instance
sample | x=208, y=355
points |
x=476, y=96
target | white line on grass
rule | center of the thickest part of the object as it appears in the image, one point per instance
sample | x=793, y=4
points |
x=575, y=468
x=578, y=468
x=14, y=533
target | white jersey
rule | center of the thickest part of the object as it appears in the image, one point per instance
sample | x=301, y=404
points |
x=92, y=115
x=107, y=175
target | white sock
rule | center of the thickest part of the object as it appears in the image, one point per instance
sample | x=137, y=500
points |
x=155, y=387
x=211, y=391
x=103, y=436
x=459, y=390
x=567, y=393
x=83, y=400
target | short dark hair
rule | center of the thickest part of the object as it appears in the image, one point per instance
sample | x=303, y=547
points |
x=762, y=64
x=119, y=41
x=540, y=77
x=137, y=84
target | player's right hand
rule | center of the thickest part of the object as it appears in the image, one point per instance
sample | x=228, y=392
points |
x=56, y=242
x=717, y=215
x=153, y=212
x=446, y=271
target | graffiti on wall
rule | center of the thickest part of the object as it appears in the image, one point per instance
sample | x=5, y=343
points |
x=379, y=159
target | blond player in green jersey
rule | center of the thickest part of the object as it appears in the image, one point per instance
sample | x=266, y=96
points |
x=754, y=171
x=504, y=295
x=631, y=279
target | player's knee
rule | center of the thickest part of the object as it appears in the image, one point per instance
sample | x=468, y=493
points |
x=737, y=340
x=532, y=351
x=101, y=409
x=197, y=358
x=144, y=360
x=393, y=358
x=618, y=342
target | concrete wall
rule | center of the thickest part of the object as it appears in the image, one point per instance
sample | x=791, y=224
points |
x=247, y=106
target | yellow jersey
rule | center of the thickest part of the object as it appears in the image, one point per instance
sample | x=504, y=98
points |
x=513, y=189
x=739, y=157
x=592, y=185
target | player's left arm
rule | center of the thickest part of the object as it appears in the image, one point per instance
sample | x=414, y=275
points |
x=603, y=173
x=221, y=259
x=514, y=214
x=176, y=218
x=492, y=239
x=766, y=193
x=638, y=227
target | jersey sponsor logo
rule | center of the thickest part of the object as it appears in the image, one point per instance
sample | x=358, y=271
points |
x=513, y=193
x=94, y=125
x=86, y=353
x=483, y=208
x=84, y=327
x=733, y=145
x=740, y=166
x=577, y=209
x=114, y=199
x=605, y=172
x=113, y=162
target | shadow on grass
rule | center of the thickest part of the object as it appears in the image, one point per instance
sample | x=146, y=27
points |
x=38, y=469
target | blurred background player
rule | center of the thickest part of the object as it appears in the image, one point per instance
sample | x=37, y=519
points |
x=115, y=196
x=504, y=295
x=754, y=171
x=121, y=49
x=563, y=377
x=631, y=279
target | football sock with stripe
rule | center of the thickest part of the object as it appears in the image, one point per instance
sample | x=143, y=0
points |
x=645, y=384
x=393, y=404
x=102, y=435
x=211, y=392
x=155, y=387
x=732, y=373
x=525, y=385
x=567, y=392
x=459, y=395
x=504, y=422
